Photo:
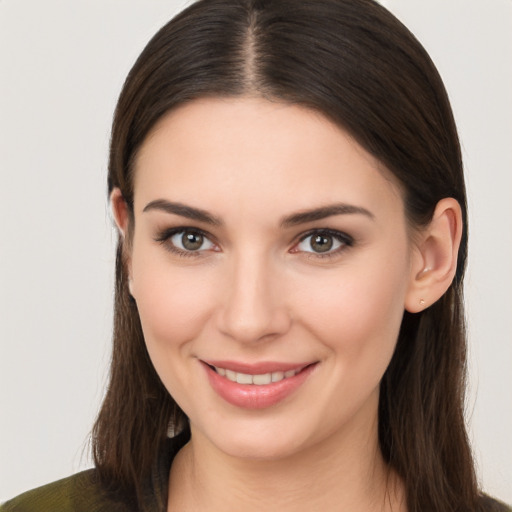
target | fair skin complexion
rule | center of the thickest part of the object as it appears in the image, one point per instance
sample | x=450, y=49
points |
x=248, y=281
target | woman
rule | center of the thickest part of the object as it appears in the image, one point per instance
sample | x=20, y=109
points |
x=287, y=183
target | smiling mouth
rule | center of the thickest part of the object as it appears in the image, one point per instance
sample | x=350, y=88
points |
x=258, y=380
x=266, y=385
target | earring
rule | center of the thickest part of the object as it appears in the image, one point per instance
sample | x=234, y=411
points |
x=422, y=302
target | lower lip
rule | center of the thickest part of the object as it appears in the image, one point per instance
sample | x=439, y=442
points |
x=252, y=396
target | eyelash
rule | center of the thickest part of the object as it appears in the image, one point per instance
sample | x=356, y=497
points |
x=346, y=242
x=345, y=239
x=165, y=236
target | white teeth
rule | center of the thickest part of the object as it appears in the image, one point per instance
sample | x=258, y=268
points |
x=258, y=380
x=277, y=376
x=243, y=378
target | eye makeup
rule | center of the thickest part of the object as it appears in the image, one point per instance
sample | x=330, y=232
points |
x=188, y=241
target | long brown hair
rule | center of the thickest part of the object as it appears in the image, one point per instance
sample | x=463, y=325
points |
x=352, y=61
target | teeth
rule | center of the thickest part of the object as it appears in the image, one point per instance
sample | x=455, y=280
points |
x=258, y=380
x=277, y=376
x=243, y=378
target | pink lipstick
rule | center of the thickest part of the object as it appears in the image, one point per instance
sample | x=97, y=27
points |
x=256, y=386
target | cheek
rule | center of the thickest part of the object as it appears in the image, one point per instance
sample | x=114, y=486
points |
x=173, y=308
x=172, y=302
x=358, y=325
x=357, y=313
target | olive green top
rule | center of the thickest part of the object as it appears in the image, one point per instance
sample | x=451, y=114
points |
x=83, y=491
x=77, y=493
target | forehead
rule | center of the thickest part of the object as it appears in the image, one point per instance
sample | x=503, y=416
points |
x=250, y=152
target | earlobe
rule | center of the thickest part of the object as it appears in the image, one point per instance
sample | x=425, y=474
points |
x=435, y=261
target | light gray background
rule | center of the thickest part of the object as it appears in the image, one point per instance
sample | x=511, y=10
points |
x=62, y=65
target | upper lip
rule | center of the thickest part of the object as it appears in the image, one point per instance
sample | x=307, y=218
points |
x=259, y=368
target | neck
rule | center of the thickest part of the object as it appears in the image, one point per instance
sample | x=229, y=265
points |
x=343, y=472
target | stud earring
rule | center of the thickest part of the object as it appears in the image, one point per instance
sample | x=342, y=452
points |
x=422, y=302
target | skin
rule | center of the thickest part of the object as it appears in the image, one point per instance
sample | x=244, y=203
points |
x=257, y=291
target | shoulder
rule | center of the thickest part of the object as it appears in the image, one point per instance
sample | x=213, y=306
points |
x=488, y=504
x=83, y=492
x=78, y=493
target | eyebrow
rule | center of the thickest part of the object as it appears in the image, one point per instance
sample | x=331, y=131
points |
x=294, y=219
x=324, y=212
x=183, y=211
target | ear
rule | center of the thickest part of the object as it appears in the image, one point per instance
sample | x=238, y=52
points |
x=122, y=219
x=119, y=211
x=434, y=261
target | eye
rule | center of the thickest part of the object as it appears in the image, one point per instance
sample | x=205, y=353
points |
x=185, y=242
x=323, y=242
x=191, y=241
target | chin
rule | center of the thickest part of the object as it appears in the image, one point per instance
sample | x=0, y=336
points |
x=262, y=449
x=258, y=440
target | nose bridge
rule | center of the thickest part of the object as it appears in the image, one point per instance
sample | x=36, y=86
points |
x=254, y=307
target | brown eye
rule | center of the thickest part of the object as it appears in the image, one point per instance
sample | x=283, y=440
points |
x=321, y=243
x=190, y=241
x=324, y=242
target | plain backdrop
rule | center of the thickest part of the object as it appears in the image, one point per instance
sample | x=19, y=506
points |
x=62, y=65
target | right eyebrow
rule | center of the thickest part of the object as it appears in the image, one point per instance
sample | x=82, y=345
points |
x=323, y=212
x=183, y=211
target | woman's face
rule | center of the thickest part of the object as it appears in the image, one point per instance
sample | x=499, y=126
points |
x=269, y=249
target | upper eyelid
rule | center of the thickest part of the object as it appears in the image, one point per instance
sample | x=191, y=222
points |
x=165, y=234
x=332, y=232
x=346, y=240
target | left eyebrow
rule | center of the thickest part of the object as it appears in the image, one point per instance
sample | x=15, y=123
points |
x=324, y=212
x=183, y=210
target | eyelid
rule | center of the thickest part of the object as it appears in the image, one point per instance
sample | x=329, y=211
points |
x=164, y=236
x=344, y=238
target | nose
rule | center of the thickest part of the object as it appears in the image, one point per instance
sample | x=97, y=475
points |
x=254, y=308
